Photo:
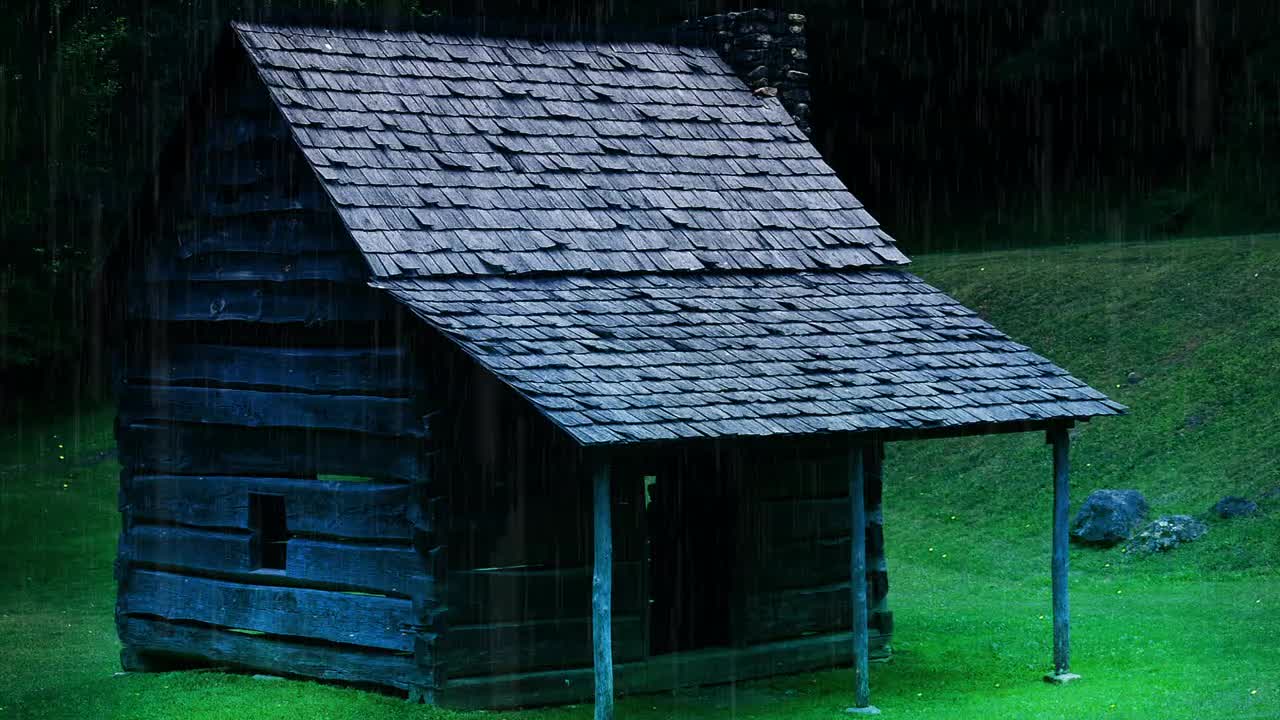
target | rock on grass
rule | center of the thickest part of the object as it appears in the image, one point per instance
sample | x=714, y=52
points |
x=1107, y=517
x=1232, y=506
x=1166, y=533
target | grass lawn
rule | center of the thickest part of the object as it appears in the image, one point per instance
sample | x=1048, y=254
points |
x=1191, y=634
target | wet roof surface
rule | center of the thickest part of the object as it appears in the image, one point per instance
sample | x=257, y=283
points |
x=636, y=243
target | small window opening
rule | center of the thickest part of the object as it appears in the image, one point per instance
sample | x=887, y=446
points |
x=271, y=535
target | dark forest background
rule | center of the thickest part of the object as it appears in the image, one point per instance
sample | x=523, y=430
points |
x=960, y=123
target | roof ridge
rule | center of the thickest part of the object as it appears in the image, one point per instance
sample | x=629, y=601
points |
x=479, y=27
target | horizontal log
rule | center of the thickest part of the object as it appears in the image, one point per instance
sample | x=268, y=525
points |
x=393, y=570
x=790, y=519
x=233, y=171
x=489, y=649
x=189, y=548
x=362, y=510
x=297, y=302
x=287, y=235
x=350, y=619
x=799, y=474
x=257, y=163
x=154, y=337
x=368, y=371
x=193, y=449
x=806, y=564
x=271, y=654
x=332, y=267
x=655, y=674
x=236, y=130
x=259, y=409
x=266, y=201
x=535, y=528
x=522, y=594
x=324, y=564
x=776, y=615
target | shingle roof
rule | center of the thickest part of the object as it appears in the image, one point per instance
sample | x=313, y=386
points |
x=635, y=242
x=450, y=155
x=632, y=358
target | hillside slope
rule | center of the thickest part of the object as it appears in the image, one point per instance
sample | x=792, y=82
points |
x=1186, y=333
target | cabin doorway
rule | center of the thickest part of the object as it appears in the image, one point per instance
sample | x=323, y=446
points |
x=691, y=516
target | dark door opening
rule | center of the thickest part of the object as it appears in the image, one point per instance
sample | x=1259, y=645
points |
x=268, y=521
x=691, y=522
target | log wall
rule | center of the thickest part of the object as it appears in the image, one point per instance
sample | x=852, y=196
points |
x=518, y=597
x=278, y=507
x=518, y=629
x=795, y=555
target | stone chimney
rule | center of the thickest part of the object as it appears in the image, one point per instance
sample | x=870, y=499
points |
x=768, y=51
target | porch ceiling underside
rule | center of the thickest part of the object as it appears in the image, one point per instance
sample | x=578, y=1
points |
x=632, y=358
x=453, y=155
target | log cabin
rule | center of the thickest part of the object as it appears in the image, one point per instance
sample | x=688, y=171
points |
x=504, y=371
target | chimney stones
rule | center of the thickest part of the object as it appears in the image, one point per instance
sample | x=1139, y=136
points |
x=768, y=51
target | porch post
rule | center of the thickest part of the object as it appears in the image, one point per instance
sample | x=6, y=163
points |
x=1058, y=437
x=858, y=583
x=602, y=589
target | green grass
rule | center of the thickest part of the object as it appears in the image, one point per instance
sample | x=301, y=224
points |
x=1187, y=635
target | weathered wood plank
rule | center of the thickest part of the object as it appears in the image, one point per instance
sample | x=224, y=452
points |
x=362, y=510
x=276, y=303
x=192, y=449
x=365, y=620
x=780, y=614
x=367, y=370
x=792, y=519
x=286, y=235
x=239, y=267
x=518, y=594
x=189, y=548
x=535, y=532
x=384, y=569
x=387, y=332
x=270, y=654
x=791, y=473
x=256, y=164
x=263, y=202
x=259, y=409
x=231, y=170
x=815, y=563
x=233, y=131
x=654, y=674
x=803, y=564
x=468, y=650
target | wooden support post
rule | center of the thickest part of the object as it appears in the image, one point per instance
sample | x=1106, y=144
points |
x=858, y=584
x=1061, y=442
x=602, y=590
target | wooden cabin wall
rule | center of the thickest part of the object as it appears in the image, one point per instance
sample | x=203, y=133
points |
x=270, y=404
x=518, y=544
x=795, y=517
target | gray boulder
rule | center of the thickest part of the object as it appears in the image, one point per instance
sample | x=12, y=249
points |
x=1107, y=517
x=1166, y=533
x=1233, y=506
